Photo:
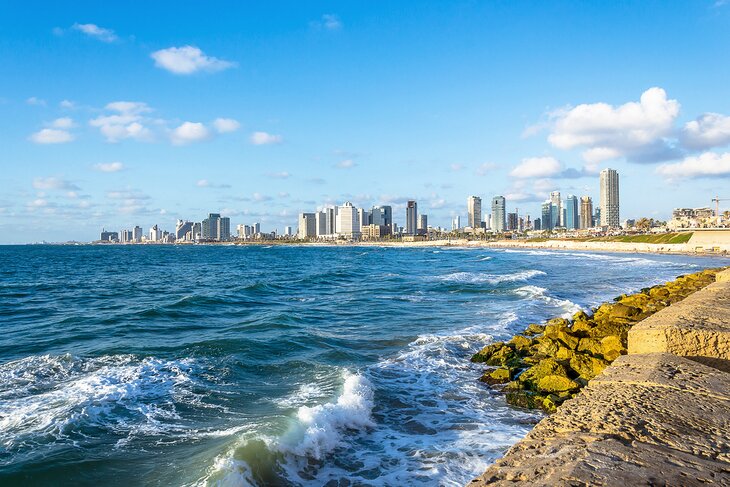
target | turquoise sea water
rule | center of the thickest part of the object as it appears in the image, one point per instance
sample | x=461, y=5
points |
x=145, y=365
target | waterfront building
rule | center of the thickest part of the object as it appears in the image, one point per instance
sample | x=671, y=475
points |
x=596, y=217
x=547, y=215
x=210, y=227
x=320, y=223
x=155, y=234
x=137, y=234
x=499, y=216
x=382, y=215
x=558, y=204
x=411, y=217
x=109, y=236
x=512, y=223
x=256, y=229
x=307, y=226
x=609, y=198
x=536, y=225
x=287, y=231
x=348, y=223
x=182, y=228
x=456, y=223
x=586, y=212
x=363, y=216
x=224, y=229
x=197, y=230
x=571, y=213
x=373, y=231
x=422, y=224
x=474, y=211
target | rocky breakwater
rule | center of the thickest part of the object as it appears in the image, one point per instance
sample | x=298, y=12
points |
x=549, y=364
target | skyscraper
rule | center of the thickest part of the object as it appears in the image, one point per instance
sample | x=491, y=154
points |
x=571, y=213
x=307, y=226
x=547, y=215
x=609, y=198
x=209, y=228
x=558, y=204
x=422, y=224
x=512, y=221
x=474, y=210
x=456, y=223
x=321, y=223
x=348, y=224
x=224, y=229
x=499, y=216
x=382, y=215
x=586, y=212
x=137, y=234
x=182, y=228
x=411, y=217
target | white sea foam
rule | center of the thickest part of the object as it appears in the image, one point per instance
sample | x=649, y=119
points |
x=568, y=307
x=54, y=399
x=479, y=278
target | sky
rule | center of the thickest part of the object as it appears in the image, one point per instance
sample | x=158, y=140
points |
x=115, y=114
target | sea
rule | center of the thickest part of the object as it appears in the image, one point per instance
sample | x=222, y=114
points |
x=275, y=365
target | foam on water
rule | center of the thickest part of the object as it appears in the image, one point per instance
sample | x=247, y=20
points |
x=568, y=307
x=481, y=278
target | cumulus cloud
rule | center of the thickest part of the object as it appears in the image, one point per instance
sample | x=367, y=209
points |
x=51, y=136
x=67, y=104
x=93, y=30
x=189, y=132
x=226, y=125
x=35, y=101
x=109, y=166
x=54, y=183
x=707, y=165
x=188, y=60
x=125, y=122
x=709, y=130
x=63, y=123
x=264, y=138
x=346, y=164
x=537, y=167
x=204, y=183
x=328, y=22
x=635, y=130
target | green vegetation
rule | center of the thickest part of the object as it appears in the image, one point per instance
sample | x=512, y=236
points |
x=656, y=238
x=549, y=364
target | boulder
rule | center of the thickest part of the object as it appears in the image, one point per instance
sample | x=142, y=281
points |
x=567, y=339
x=487, y=352
x=534, y=329
x=520, y=343
x=591, y=346
x=502, y=375
x=582, y=327
x=612, y=347
x=622, y=311
x=564, y=354
x=546, y=346
x=581, y=316
x=549, y=366
x=557, y=383
x=587, y=367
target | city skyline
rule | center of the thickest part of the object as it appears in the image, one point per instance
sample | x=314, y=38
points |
x=262, y=120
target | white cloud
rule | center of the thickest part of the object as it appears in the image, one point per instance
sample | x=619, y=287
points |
x=51, y=136
x=226, y=125
x=634, y=129
x=202, y=183
x=264, y=138
x=36, y=101
x=709, y=130
x=109, y=166
x=261, y=197
x=279, y=175
x=67, y=104
x=53, y=183
x=537, y=167
x=456, y=167
x=346, y=164
x=63, y=123
x=93, y=30
x=188, y=60
x=126, y=123
x=485, y=168
x=189, y=132
x=708, y=164
x=328, y=22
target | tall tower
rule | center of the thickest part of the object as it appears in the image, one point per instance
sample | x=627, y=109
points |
x=474, y=210
x=557, y=202
x=609, y=198
x=586, y=212
x=411, y=217
x=571, y=213
x=498, y=214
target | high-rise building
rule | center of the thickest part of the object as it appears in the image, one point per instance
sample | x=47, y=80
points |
x=596, y=217
x=609, y=198
x=307, y=226
x=411, y=218
x=287, y=231
x=210, y=227
x=155, y=234
x=547, y=215
x=256, y=228
x=474, y=211
x=558, y=204
x=536, y=225
x=197, y=230
x=382, y=215
x=512, y=223
x=137, y=234
x=456, y=223
x=348, y=223
x=320, y=225
x=224, y=229
x=331, y=220
x=571, y=213
x=499, y=215
x=586, y=212
x=182, y=228
x=422, y=224
x=109, y=236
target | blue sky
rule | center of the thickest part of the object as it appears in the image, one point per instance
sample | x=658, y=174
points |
x=116, y=114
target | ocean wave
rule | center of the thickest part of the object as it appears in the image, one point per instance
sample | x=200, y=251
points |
x=568, y=307
x=55, y=400
x=480, y=278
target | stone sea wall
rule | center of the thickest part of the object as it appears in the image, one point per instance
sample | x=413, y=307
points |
x=658, y=415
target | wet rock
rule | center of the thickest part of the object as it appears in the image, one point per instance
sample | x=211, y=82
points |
x=557, y=383
x=502, y=375
x=567, y=338
x=520, y=343
x=587, y=367
x=534, y=329
x=591, y=346
x=549, y=366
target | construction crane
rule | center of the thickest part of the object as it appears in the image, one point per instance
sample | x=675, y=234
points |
x=717, y=201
